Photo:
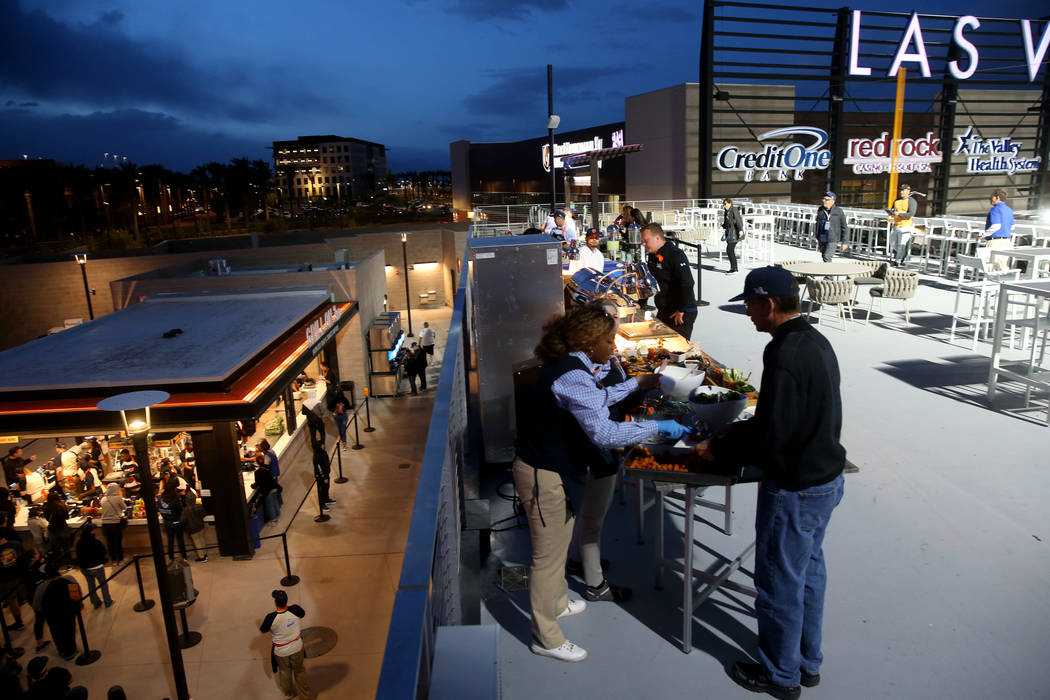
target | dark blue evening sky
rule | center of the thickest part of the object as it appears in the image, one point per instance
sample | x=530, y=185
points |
x=183, y=82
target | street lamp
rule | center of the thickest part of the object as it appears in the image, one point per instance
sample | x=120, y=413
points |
x=82, y=261
x=137, y=427
x=408, y=296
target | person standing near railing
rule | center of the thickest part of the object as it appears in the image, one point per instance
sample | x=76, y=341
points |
x=568, y=415
x=91, y=558
x=733, y=227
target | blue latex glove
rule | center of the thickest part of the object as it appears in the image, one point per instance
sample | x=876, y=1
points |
x=671, y=429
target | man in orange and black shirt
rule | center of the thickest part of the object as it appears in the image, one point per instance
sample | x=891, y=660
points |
x=675, y=303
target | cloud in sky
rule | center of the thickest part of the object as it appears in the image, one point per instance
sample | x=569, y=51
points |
x=483, y=10
x=144, y=137
x=78, y=66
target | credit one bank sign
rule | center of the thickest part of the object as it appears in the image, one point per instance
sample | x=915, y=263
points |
x=776, y=162
x=912, y=48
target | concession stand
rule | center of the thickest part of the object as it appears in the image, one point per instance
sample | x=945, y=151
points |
x=238, y=365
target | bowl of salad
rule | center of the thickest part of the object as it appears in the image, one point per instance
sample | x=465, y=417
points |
x=716, y=406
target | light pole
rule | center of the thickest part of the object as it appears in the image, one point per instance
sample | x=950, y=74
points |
x=82, y=261
x=552, y=123
x=138, y=429
x=408, y=296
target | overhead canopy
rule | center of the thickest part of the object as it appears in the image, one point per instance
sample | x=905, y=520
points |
x=593, y=158
x=582, y=159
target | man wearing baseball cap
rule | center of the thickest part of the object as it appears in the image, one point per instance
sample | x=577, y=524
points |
x=794, y=437
x=590, y=256
x=831, y=226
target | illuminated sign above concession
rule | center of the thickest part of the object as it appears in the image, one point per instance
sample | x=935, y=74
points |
x=912, y=48
x=573, y=148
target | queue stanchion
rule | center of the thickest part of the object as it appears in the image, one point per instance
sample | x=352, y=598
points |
x=357, y=436
x=90, y=655
x=144, y=603
x=368, y=415
x=290, y=579
x=340, y=479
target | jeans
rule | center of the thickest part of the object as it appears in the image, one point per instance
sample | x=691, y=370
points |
x=790, y=576
x=827, y=250
x=96, y=579
x=900, y=243
x=272, y=506
x=174, y=530
x=341, y=421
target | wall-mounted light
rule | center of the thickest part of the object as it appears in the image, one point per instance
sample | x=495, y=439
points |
x=421, y=266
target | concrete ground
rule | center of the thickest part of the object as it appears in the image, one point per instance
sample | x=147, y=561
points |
x=937, y=556
x=349, y=569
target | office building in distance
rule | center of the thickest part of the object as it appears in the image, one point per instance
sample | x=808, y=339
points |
x=329, y=168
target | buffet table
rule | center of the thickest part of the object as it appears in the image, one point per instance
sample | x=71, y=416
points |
x=664, y=484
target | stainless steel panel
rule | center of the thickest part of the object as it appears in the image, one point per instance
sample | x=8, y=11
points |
x=384, y=384
x=515, y=287
x=380, y=361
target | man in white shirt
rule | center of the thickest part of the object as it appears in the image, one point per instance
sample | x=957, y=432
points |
x=426, y=339
x=590, y=256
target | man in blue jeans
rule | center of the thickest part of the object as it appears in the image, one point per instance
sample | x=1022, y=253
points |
x=794, y=437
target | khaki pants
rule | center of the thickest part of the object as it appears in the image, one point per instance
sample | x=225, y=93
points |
x=550, y=526
x=597, y=497
x=292, y=676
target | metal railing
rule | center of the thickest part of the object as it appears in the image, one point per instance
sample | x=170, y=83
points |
x=428, y=593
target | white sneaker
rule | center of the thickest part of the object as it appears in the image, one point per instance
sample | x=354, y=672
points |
x=566, y=652
x=575, y=607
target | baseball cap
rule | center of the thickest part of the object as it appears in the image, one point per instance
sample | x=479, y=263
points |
x=830, y=194
x=767, y=282
x=593, y=234
x=558, y=213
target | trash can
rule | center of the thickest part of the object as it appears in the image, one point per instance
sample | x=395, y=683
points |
x=180, y=582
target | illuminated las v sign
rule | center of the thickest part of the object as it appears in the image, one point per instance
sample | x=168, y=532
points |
x=912, y=39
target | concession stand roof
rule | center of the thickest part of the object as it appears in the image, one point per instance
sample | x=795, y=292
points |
x=222, y=356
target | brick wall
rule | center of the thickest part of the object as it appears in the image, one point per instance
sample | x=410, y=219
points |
x=40, y=296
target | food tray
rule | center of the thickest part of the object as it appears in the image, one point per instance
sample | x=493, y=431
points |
x=705, y=474
x=641, y=330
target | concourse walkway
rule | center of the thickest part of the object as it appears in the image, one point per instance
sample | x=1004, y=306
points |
x=348, y=566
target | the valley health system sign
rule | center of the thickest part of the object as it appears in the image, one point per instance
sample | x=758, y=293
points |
x=994, y=156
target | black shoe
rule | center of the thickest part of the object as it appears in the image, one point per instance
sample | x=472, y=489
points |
x=810, y=680
x=18, y=626
x=574, y=567
x=201, y=560
x=753, y=677
x=330, y=501
x=607, y=591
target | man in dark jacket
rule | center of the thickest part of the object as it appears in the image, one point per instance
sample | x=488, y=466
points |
x=831, y=226
x=322, y=472
x=675, y=304
x=417, y=367
x=794, y=437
